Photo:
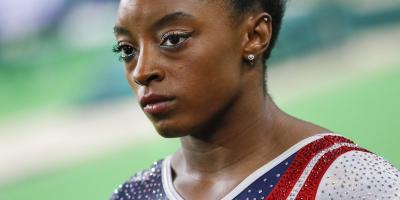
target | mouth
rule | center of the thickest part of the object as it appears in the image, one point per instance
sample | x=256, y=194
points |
x=154, y=104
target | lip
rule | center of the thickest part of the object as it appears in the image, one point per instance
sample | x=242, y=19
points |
x=155, y=104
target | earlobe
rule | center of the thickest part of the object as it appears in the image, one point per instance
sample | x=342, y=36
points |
x=259, y=34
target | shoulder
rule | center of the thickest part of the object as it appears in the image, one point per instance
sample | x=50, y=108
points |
x=146, y=184
x=333, y=167
x=360, y=175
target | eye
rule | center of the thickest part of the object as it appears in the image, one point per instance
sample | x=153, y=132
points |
x=174, y=39
x=126, y=52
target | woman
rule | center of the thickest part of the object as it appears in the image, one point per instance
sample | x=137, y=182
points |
x=198, y=69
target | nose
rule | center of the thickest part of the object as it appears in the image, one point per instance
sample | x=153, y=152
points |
x=147, y=69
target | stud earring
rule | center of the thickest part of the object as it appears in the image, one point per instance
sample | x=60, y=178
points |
x=251, y=58
x=266, y=19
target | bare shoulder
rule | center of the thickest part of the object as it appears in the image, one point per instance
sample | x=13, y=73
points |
x=360, y=175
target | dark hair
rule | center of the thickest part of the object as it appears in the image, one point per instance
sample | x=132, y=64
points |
x=275, y=8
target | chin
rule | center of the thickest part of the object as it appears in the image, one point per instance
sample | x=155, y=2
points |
x=168, y=132
x=175, y=126
x=171, y=129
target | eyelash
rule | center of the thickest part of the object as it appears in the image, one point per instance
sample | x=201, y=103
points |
x=178, y=35
x=123, y=51
x=127, y=52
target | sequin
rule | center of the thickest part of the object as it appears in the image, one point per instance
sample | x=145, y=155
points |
x=372, y=178
x=144, y=185
x=331, y=167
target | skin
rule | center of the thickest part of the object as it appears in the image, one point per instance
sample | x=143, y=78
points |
x=227, y=125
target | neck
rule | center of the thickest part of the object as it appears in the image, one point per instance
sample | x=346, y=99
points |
x=251, y=139
x=250, y=133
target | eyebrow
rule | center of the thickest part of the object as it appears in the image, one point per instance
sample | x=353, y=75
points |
x=118, y=30
x=164, y=21
x=169, y=18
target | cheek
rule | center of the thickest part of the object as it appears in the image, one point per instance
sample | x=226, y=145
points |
x=128, y=77
x=208, y=81
x=213, y=68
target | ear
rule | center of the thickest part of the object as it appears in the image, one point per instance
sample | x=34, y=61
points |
x=258, y=34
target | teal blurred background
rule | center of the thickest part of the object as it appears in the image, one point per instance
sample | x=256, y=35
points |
x=70, y=127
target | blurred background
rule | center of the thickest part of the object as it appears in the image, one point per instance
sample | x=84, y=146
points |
x=70, y=128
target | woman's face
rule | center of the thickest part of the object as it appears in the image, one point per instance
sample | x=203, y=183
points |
x=183, y=58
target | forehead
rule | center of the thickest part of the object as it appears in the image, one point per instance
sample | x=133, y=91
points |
x=139, y=12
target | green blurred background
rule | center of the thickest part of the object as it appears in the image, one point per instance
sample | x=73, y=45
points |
x=70, y=127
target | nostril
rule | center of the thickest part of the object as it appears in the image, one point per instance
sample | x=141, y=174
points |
x=146, y=79
x=137, y=81
x=153, y=77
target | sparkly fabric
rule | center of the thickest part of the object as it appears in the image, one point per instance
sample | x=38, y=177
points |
x=304, y=156
x=318, y=171
x=360, y=175
x=264, y=185
x=146, y=185
x=329, y=167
